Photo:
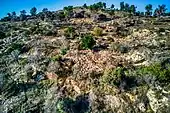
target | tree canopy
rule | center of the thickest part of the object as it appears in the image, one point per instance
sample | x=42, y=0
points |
x=33, y=11
x=148, y=9
x=67, y=12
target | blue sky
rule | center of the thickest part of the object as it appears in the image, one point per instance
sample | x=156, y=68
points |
x=18, y=5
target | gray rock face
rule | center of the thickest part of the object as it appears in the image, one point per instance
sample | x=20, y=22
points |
x=159, y=102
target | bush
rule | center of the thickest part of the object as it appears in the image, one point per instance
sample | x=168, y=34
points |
x=161, y=30
x=2, y=35
x=161, y=73
x=32, y=29
x=43, y=30
x=121, y=31
x=127, y=78
x=167, y=43
x=97, y=6
x=69, y=32
x=15, y=46
x=112, y=77
x=26, y=33
x=123, y=49
x=111, y=12
x=8, y=34
x=64, y=51
x=119, y=77
x=38, y=30
x=69, y=105
x=65, y=105
x=61, y=15
x=97, y=31
x=48, y=33
x=23, y=61
x=56, y=58
x=87, y=42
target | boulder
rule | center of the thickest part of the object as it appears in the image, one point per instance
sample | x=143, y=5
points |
x=159, y=100
x=100, y=17
x=79, y=14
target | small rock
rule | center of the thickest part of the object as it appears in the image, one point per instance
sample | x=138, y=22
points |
x=142, y=107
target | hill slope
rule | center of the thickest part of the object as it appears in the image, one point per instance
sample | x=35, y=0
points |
x=93, y=63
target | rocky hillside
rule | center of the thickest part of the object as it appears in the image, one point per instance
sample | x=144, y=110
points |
x=89, y=63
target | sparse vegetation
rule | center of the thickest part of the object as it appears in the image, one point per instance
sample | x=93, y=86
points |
x=15, y=46
x=87, y=42
x=56, y=58
x=2, y=35
x=23, y=61
x=121, y=77
x=85, y=59
x=64, y=51
x=113, y=77
x=68, y=105
x=160, y=72
x=61, y=15
x=68, y=11
x=97, y=31
x=69, y=32
x=161, y=30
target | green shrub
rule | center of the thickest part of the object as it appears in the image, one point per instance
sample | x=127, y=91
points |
x=139, y=76
x=97, y=31
x=87, y=42
x=65, y=105
x=112, y=77
x=2, y=35
x=69, y=105
x=15, y=46
x=38, y=30
x=43, y=30
x=68, y=10
x=64, y=51
x=56, y=58
x=111, y=12
x=167, y=42
x=119, y=77
x=48, y=33
x=23, y=61
x=123, y=49
x=122, y=31
x=114, y=46
x=32, y=28
x=69, y=32
x=8, y=34
x=161, y=73
x=61, y=15
x=161, y=30
x=26, y=33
